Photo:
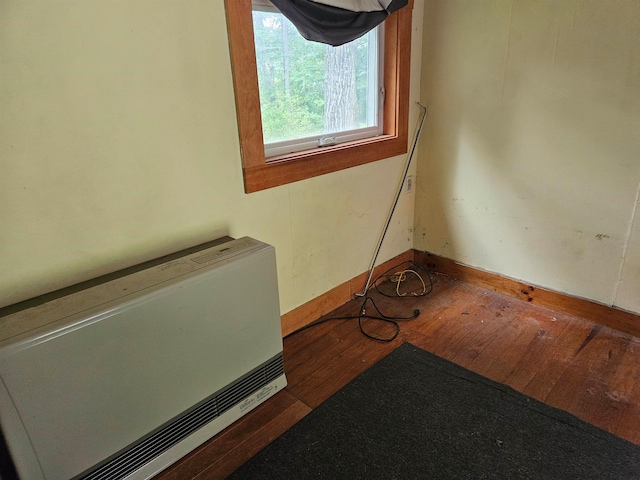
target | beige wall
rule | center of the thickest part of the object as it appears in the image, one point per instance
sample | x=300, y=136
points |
x=531, y=155
x=118, y=144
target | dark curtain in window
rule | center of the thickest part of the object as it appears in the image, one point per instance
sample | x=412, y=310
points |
x=336, y=22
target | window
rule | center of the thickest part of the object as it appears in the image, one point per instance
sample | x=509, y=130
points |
x=279, y=166
x=313, y=94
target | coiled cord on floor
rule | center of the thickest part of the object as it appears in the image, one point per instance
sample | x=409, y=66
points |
x=402, y=272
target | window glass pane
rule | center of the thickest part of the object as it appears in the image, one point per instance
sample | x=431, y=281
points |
x=308, y=89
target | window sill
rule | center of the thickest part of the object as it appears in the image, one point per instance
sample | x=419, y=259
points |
x=289, y=168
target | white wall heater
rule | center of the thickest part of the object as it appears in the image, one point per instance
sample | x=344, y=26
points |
x=121, y=379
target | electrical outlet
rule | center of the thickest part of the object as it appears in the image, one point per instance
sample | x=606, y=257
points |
x=408, y=184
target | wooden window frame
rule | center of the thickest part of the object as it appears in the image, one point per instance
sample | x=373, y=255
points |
x=260, y=172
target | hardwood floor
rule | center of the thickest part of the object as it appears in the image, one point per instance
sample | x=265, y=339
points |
x=586, y=369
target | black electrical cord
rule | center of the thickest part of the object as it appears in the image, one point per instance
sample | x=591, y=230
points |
x=393, y=320
x=384, y=318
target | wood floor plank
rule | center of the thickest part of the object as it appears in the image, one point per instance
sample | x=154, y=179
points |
x=437, y=310
x=332, y=343
x=583, y=388
x=343, y=368
x=305, y=339
x=546, y=357
x=496, y=360
x=625, y=387
x=465, y=328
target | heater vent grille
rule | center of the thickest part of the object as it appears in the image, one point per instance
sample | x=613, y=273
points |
x=149, y=447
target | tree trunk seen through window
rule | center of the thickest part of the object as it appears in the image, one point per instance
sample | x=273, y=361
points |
x=286, y=54
x=340, y=101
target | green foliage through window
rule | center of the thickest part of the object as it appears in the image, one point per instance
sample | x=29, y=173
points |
x=310, y=89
